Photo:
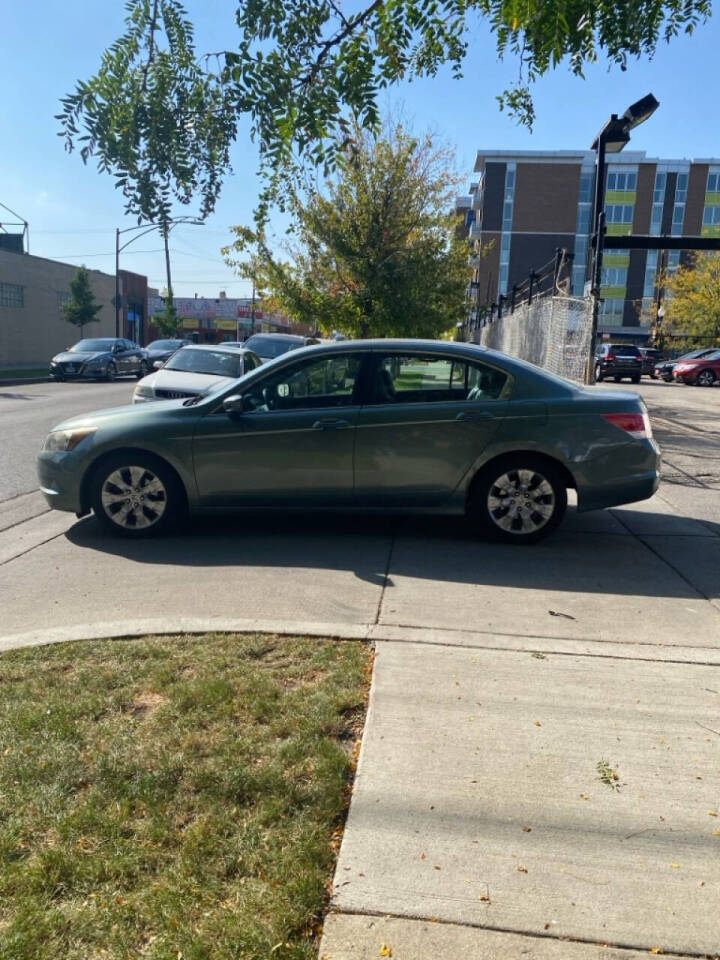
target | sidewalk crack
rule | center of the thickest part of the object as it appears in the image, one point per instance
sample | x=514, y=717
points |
x=386, y=577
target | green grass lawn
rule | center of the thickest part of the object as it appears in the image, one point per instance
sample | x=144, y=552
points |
x=174, y=797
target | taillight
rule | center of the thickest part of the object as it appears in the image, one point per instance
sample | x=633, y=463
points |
x=610, y=356
x=636, y=424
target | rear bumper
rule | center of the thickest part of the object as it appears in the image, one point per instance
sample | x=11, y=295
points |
x=625, y=476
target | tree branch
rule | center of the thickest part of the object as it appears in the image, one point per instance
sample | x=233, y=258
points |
x=350, y=26
x=151, y=47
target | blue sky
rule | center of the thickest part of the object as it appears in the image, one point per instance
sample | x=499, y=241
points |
x=73, y=211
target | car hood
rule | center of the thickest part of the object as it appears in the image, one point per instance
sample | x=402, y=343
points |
x=181, y=380
x=80, y=357
x=100, y=417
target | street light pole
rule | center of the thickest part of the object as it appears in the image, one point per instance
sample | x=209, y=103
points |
x=611, y=139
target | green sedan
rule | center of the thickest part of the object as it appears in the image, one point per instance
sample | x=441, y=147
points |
x=378, y=425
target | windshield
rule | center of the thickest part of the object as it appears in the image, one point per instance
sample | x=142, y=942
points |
x=165, y=345
x=93, y=346
x=270, y=346
x=219, y=363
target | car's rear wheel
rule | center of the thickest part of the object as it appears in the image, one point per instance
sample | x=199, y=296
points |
x=706, y=378
x=518, y=499
x=636, y=378
x=136, y=495
x=110, y=372
x=617, y=379
x=598, y=374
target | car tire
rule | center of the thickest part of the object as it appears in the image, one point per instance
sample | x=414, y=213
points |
x=110, y=372
x=617, y=379
x=598, y=375
x=143, y=371
x=136, y=495
x=667, y=379
x=653, y=376
x=535, y=478
x=706, y=378
x=635, y=379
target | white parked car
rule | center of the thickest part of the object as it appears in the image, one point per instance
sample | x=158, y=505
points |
x=195, y=370
x=270, y=345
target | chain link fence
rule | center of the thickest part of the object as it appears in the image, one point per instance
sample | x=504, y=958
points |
x=553, y=332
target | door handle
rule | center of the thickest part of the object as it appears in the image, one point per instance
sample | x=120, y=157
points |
x=331, y=424
x=475, y=416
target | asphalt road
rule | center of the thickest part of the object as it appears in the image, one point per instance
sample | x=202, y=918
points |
x=28, y=412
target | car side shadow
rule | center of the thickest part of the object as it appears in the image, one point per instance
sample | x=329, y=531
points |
x=604, y=552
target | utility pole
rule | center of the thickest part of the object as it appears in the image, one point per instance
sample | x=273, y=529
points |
x=165, y=232
x=252, y=308
x=117, y=281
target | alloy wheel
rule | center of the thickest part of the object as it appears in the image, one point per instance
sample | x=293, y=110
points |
x=521, y=501
x=134, y=498
x=706, y=378
x=111, y=371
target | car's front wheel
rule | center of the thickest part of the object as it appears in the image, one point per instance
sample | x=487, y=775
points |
x=518, y=499
x=143, y=371
x=706, y=378
x=110, y=372
x=136, y=495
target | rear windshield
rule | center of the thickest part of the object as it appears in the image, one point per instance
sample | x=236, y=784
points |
x=270, y=346
x=624, y=350
x=165, y=344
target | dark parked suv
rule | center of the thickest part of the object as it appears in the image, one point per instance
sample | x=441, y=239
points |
x=619, y=361
x=650, y=358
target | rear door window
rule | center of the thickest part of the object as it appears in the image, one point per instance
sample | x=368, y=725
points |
x=413, y=378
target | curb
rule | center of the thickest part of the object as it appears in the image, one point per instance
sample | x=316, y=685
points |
x=368, y=632
x=23, y=382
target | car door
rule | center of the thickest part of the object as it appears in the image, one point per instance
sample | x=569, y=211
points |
x=293, y=443
x=123, y=358
x=428, y=418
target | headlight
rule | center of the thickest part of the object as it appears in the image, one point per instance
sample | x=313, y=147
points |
x=67, y=439
x=143, y=391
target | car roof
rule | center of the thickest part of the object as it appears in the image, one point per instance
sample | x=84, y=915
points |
x=280, y=336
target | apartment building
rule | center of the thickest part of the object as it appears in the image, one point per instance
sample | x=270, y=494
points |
x=525, y=204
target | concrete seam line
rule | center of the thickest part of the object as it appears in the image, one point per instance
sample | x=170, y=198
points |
x=17, y=523
x=34, y=546
x=377, y=628
x=531, y=935
x=385, y=578
x=641, y=539
x=549, y=653
x=702, y=523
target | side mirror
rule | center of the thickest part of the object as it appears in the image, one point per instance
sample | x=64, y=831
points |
x=158, y=364
x=233, y=404
x=116, y=348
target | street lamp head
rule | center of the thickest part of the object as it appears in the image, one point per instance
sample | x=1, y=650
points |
x=640, y=111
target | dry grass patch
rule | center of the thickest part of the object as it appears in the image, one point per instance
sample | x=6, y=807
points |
x=174, y=797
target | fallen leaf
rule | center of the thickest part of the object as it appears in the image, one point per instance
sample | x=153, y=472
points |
x=422, y=856
x=385, y=950
x=521, y=869
x=537, y=723
x=527, y=829
x=557, y=613
x=716, y=833
x=584, y=796
x=712, y=813
x=437, y=867
x=675, y=866
x=656, y=950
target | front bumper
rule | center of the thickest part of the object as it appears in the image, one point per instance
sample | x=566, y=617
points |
x=58, y=372
x=60, y=477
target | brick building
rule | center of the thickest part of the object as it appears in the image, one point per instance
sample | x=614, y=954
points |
x=33, y=291
x=526, y=204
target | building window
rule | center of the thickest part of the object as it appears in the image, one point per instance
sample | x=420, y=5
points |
x=681, y=188
x=505, y=240
x=622, y=181
x=711, y=216
x=586, y=187
x=713, y=184
x=614, y=276
x=660, y=184
x=612, y=309
x=650, y=273
x=12, y=295
x=619, y=213
x=656, y=219
x=677, y=219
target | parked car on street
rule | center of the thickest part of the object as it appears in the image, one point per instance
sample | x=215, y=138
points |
x=270, y=345
x=664, y=369
x=619, y=361
x=100, y=358
x=162, y=350
x=699, y=371
x=194, y=370
x=409, y=426
x=650, y=359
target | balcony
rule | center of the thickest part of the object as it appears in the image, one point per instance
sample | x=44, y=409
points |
x=475, y=231
x=463, y=203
